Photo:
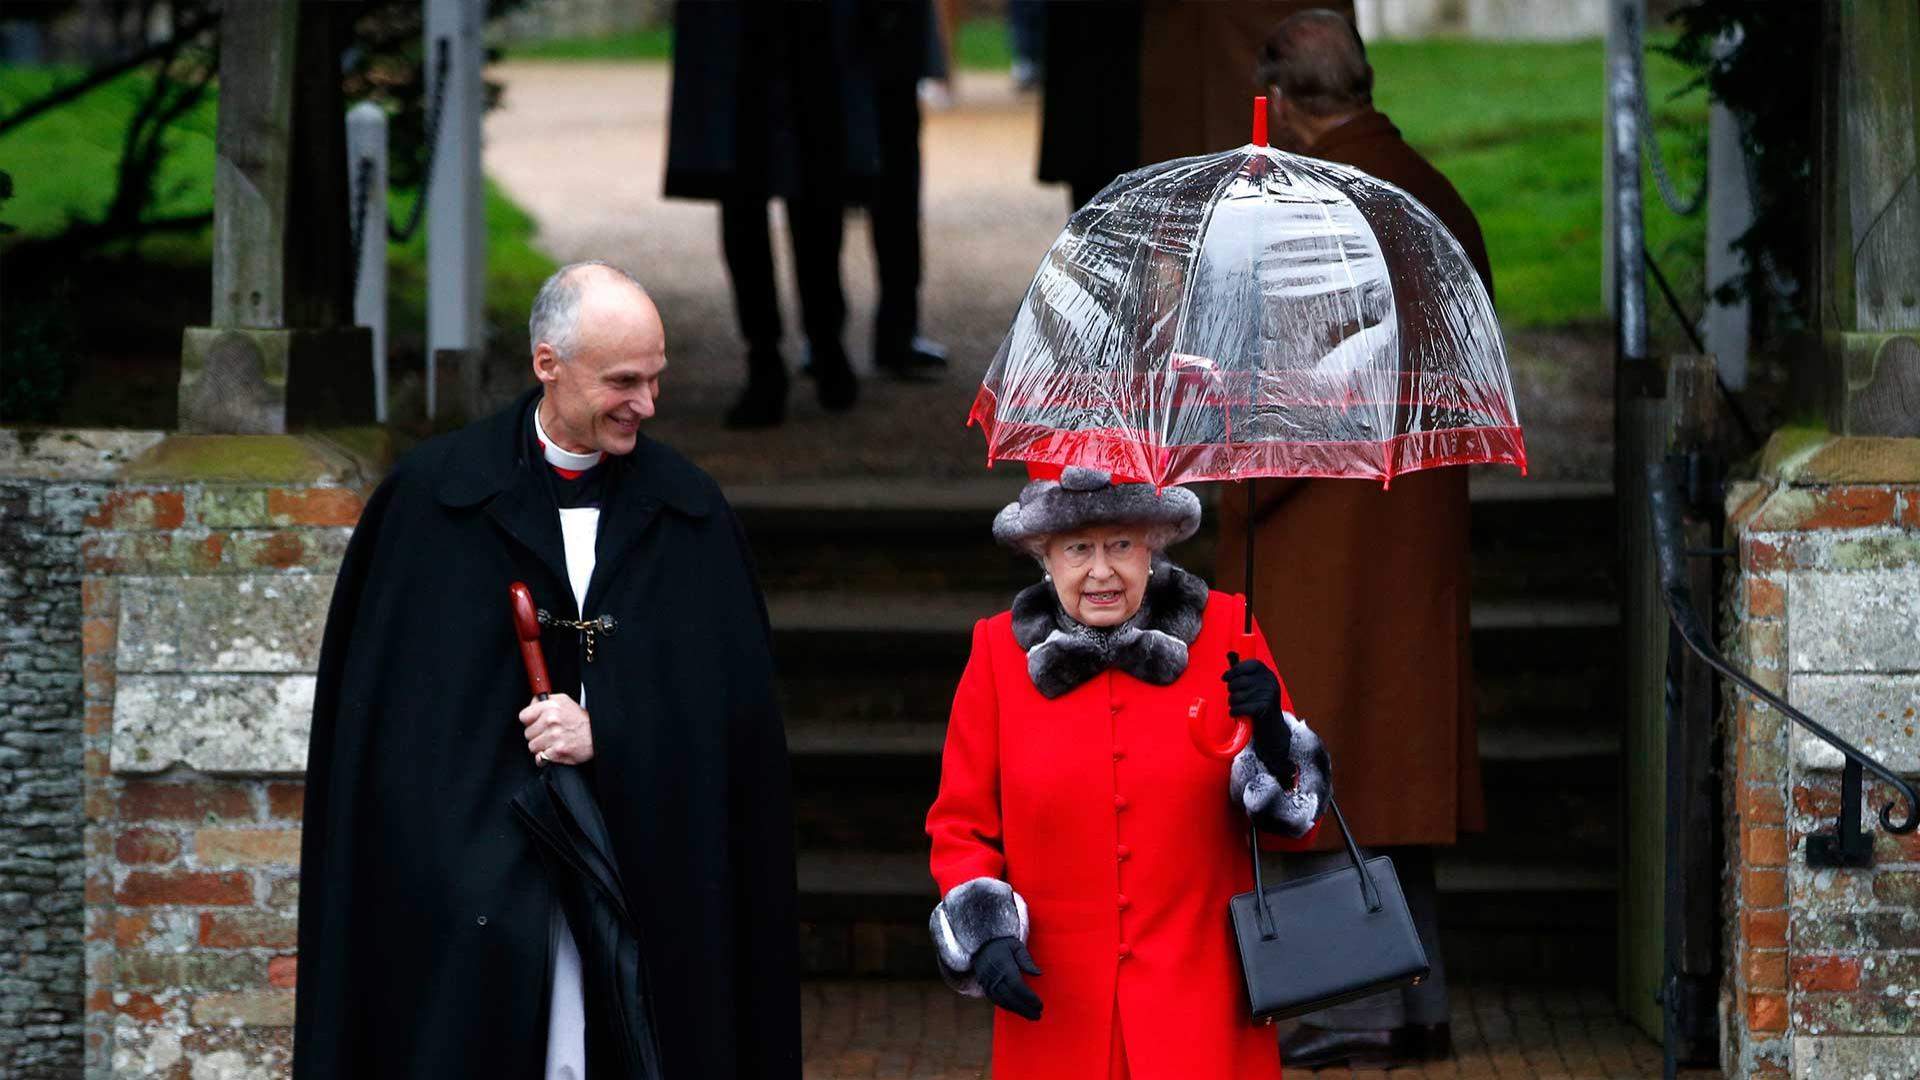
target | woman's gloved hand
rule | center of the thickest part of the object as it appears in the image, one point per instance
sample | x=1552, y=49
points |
x=1253, y=691
x=997, y=967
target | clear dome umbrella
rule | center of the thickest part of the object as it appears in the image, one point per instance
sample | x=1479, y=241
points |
x=1252, y=313
x=1246, y=314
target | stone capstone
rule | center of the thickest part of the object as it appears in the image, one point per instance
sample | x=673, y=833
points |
x=221, y=724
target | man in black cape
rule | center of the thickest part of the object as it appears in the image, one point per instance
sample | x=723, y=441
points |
x=431, y=943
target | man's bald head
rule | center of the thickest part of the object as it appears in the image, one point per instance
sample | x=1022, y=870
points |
x=1317, y=61
x=556, y=316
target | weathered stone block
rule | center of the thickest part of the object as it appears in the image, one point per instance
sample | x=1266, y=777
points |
x=214, y=723
x=1854, y=622
x=238, y=623
x=231, y=507
x=1880, y=714
x=1823, y=1057
x=247, y=847
x=252, y=1008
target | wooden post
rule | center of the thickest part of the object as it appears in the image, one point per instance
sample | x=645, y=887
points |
x=1869, y=279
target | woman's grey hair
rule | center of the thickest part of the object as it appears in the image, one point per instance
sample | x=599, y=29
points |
x=556, y=308
x=1319, y=63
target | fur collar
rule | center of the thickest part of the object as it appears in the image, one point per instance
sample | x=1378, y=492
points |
x=1062, y=652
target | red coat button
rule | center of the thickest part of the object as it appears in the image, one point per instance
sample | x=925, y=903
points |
x=1119, y=753
x=1119, y=802
x=1124, y=902
x=1125, y=950
x=1120, y=853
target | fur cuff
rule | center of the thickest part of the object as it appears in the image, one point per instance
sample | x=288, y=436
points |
x=1274, y=806
x=974, y=913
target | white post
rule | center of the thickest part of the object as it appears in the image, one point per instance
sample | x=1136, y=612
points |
x=367, y=188
x=456, y=239
x=1729, y=213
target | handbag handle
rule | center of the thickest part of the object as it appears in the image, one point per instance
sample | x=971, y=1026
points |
x=1369, y=893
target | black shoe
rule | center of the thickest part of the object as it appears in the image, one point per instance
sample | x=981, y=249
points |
x=835, y=386
x=919, y=359
x=1313, y=1048
x=763, y=404
x=1427, y=1042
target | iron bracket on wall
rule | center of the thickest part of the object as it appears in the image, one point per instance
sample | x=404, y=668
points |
x=1848, y=846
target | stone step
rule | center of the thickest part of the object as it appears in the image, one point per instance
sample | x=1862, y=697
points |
x=1527, y=539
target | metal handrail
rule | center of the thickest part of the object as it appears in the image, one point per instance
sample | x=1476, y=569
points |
x=1662, y=484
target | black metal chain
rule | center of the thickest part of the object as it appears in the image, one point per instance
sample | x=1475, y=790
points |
x=1656, y=159
x=357, y=224
x=403, y=233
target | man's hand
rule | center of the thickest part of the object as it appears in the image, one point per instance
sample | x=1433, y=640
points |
x=997, y=967
x=558, y=731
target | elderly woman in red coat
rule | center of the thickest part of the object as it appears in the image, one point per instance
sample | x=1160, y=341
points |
x=1084, y=848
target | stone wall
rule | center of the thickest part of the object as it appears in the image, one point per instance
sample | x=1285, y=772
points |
x=1823, y=965
x=49, y=484
x=207, y=574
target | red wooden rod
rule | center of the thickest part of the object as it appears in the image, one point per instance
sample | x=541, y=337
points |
x=526, y=626
x=1260, y=121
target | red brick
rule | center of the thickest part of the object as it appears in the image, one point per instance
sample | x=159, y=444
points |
x=1762, y=804
x=137, y=846
x=1820, y=801
x=99, y=596
x=315, y=506
x=1766, y=929
x=130, y=930
x=98, y=679
x=212, y=549
x=1766, y=969
x=247, y=847
x=1910, y=513
x=152, y=800
x=1767, y=1012
x=94, y=764
x=1850, y=508
x=141, y=1007
x=1766, y=557
x=97, y=635
x=98, y=891
x=286, y=800
x=247, y=930
x=99, y=720
x=1764, y=845
x=196, y=888
x=1765, y=600
x=1763, y=888
x=280, y=551
x=283, y=971
x=1826, y=973
x=140, y=510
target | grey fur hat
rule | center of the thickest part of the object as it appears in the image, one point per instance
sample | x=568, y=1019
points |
x=1083, y=497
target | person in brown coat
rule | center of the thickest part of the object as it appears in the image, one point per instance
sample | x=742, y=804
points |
x=1372, y=625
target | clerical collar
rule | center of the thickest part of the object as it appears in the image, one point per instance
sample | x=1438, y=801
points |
x=566, y=463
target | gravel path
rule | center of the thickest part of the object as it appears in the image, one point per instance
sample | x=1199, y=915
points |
x=582, y=146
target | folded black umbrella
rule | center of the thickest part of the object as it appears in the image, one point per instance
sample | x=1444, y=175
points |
x=560, y=812
x=558, y=809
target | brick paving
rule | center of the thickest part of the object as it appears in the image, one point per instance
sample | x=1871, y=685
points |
x=923, y=1031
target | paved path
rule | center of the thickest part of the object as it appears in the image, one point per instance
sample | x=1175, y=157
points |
x=582, y=146
x=924, y=1030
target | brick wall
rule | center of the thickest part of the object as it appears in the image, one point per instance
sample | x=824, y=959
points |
x=204, y=597
x=49, y=484
x=1823, y=968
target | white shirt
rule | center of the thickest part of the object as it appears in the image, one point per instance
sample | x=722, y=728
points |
x=567, y=1008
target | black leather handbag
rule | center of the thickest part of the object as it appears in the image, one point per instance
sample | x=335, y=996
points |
x=1314, y=942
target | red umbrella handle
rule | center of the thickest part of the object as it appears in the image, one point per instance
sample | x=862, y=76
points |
x=1200, y=724
x=526, y=626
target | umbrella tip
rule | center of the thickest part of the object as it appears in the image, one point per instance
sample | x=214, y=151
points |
x=1260, y=120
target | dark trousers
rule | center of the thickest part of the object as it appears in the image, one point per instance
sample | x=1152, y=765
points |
x=894, y=211
x=816, y=228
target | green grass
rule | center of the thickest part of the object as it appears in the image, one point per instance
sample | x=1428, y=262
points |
x=650, y=43
x=63, y=161
x=1518, y=129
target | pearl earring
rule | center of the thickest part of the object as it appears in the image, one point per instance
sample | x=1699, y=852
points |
x=1046, y=577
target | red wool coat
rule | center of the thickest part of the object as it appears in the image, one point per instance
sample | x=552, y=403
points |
x=1121, y=836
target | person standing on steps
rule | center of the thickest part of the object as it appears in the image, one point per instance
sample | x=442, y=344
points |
x=902, y=39
x=1085, y=850
x=1383, y=568
x=434, y=944
x=776, y=101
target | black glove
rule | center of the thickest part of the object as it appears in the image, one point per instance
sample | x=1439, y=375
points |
x=997, y=967
x=1253, y=691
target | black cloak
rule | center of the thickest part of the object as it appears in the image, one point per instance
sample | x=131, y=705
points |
x=425, y=912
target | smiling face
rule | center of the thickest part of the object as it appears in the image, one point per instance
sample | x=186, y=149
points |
x=597, y=395
x=1100, y=572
